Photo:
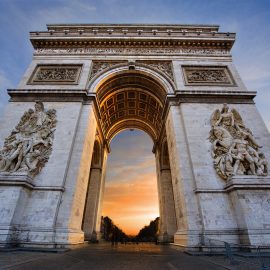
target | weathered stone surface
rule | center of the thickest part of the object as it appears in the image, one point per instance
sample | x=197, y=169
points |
x=29, y=146
x=195, y=203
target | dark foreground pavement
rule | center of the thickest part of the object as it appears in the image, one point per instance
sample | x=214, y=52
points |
x=124, y=257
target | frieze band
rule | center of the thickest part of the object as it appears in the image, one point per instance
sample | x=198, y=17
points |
x=133, y=51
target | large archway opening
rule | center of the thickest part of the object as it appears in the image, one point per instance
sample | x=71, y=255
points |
x=130, y=98
x=131, y=196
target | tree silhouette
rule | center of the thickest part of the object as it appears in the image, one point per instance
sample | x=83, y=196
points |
x=111, y=232
x=149, y=233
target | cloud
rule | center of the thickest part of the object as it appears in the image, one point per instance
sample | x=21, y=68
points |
x=131, y=154
x=129, y=169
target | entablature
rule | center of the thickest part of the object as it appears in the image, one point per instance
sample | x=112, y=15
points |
x=110, y=35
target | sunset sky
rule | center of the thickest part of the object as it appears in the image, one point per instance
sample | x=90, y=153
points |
x=131, y=193
x=130, y=197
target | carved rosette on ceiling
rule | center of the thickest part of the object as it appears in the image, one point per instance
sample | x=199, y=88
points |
x=99, y=66
x=29, y=145
x=163, y=66
x=56, y=74
x=234, y=148
x=130, y=105
x=207, y=75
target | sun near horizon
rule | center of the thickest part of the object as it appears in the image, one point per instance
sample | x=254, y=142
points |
x=131, y=196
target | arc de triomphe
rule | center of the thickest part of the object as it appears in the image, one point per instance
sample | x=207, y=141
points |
x=85, y=84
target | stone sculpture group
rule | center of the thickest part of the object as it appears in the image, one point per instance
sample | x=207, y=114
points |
x=29, y=145
x=234, y=148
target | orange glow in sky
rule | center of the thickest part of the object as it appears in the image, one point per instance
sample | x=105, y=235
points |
x=130, y=197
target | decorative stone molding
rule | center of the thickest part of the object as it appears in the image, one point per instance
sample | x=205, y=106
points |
x=133, y=51
x=56, y=74
x=247, y=182
x=24, y=179
x=207, y=75
x=163, y=66
x=123, y=105
x=29, y=145
x=234, y=148
x=99, y=66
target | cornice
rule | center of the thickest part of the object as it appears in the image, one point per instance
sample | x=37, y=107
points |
x=214, y=96
x=182, y=42
x=199, y=36
x=204, y=27
x=180, y=96
x=53, y=95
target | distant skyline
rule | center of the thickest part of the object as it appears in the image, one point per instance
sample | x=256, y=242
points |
x=251, y=53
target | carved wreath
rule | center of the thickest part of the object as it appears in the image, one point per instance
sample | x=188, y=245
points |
x=234, y=148
x=29, y=145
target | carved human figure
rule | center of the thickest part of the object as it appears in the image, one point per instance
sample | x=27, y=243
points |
x=32, y=159
x=223, y=138
x=234, y=148
x=262, y=165
x=30, y=143
x=15, y=152
x=239, y=151
x=226, y=117
x=246, y=134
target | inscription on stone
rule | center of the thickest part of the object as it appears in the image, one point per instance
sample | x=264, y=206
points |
x=64, y=74
x=198, y=75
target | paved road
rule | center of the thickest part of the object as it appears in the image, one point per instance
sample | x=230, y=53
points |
x=103, y=256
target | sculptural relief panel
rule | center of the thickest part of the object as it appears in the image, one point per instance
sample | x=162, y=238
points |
x=28, y=147
x=207, y=75
x=99, y=66
x=163, y=66
x=234, y=149
x=56, y=74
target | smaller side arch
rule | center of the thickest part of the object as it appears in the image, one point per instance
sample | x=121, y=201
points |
x=164, y=158
x=96, y=157
x=168, y=221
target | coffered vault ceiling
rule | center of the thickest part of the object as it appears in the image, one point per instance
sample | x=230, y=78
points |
x=131, y=100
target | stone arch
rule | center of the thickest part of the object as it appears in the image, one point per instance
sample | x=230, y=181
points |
x=138, y=68
x=135, y=97
x=131, y=98
x=92, y=206
x=168, y=219
x=164, y=157
x=96, y=157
